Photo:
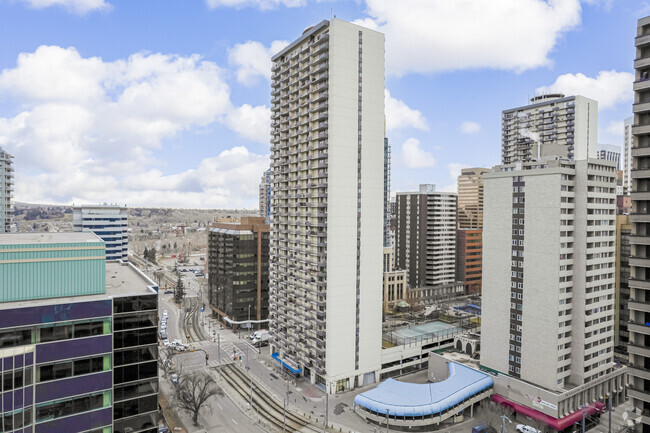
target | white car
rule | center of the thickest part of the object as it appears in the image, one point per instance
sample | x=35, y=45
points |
x=165, y=343
x=163, y=326
x=522, y=428
x=165, y=313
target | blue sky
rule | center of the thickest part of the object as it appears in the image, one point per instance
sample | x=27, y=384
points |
x=166, y=103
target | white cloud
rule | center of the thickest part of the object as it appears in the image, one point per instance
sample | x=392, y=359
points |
x=259, y=4
x=443, y=35
x=454, y=170
x=413, y=156
x=615, y=129
x=253, y=123
x=399, y=115
x=470, y=127
x=609, y=88
x=253, y=60
x=79, y=7
x=88, y=126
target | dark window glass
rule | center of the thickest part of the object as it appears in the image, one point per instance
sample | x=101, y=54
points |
x=78, y=367
x=135, y=303
x=54, y=333
x=148, y=369
x=88, y=329
x=132, y=356
x=61, y=408
x=28, y=376
x=136, y=390
x=134, y=338
x=18, y=379
x=135, y=321
x=15, y=338
x=82, y=366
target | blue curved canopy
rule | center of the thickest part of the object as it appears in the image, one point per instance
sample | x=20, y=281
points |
x=413, y=399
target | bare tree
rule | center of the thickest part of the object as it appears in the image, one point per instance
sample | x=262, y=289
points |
x=193, y=392
x=165, y=360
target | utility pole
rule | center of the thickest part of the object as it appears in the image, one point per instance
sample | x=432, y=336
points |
x=326, y=410
x=249, y=317
x=609, y=401
x=584, y=411
x=219, y=348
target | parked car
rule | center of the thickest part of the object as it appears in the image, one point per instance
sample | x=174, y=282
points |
x=259, y=333
x=165, y=342
x=163, y=429
x=165, y=313
x=522, y=428
x=175, y=379
x=168, y=292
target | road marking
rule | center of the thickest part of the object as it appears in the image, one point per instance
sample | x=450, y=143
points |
x=234, y=421
x=219, y=406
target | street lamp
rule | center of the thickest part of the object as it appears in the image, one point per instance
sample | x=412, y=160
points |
x=249, y=317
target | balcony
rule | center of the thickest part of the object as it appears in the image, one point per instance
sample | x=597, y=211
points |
x=641, y=85
x=641, y=107
x=638, y=350
x=641, y=63
x=638, y=371
x=639, y=240
x=638, y=395
x=640, y=217
x=638, y=283
x=640, y=195
x=640, y=173
x=641, y=129
x=638, y=328
x=641, y=41
x=638, y=306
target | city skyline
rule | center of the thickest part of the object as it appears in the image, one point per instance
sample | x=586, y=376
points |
x=121, y=130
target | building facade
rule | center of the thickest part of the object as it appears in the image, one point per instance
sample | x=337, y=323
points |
x=327, y=204
x=549, y=271
x=108, y=222
x=623, y=232
x=395, y=287
x=238, y=270
x=387, y=214
x=425, y=241
x=469, y=258
x=6, y=191
x=70, y=361
x=639, y=282
x=265, y=196
x=609, y=152
x=470, y=198
x=628, y=144
x=552, y=125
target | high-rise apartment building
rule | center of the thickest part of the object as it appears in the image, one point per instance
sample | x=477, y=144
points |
x=387, y=214
x=639, y=282
x=425, y=242
x=628, y=144
x=78, y=338
x=549, y=271
x=265, y=196
x=552, y=125
x=238, y=266
x=470, y=198
x=469, y=258
x=6, y=191
x=609, y=152
x=109, y=222
x=327, y=204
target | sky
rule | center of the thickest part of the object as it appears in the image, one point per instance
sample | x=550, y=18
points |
x=166, y=103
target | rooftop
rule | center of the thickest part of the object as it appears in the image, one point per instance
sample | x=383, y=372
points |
x=122, y=279
x=48, y=238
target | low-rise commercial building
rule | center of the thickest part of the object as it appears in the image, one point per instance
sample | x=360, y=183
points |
x=395, y=287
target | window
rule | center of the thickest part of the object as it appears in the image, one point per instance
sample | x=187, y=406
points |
x=60, y=408
x=78, y=367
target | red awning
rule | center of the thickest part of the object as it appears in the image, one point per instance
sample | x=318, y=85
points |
x=554, y=423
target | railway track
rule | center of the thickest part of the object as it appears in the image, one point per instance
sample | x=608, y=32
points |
x=192, y=319
x=266, y=406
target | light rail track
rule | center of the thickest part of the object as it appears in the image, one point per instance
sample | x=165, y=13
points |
x=266, y=406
